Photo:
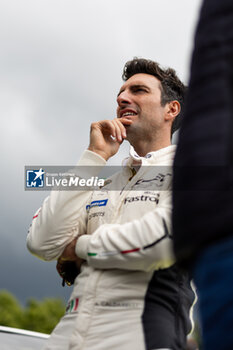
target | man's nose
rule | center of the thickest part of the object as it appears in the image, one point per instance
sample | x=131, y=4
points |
x=123, y=98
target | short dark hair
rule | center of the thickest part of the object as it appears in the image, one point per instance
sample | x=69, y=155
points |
x=171, y=86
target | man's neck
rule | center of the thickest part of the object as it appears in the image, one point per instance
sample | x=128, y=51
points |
x=142, y=148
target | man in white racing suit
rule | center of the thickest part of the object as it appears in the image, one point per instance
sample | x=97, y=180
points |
x=129, y=294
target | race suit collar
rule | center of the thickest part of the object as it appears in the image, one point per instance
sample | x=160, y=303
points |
x=162, y=155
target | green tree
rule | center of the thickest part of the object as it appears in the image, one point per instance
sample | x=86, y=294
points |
x=11, y=313
x=40, y=316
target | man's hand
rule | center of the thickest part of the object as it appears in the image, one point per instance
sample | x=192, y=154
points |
x=107, y=135
x=69, y=264
x=69, y=252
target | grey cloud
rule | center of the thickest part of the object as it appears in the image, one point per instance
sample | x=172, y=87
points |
x=60, y=67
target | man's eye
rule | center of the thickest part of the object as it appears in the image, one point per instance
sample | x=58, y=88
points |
x=140, y=90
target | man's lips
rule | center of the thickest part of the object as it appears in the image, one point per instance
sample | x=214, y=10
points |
x=127, y=113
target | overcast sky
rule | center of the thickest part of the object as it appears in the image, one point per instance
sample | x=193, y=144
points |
x=60, y=65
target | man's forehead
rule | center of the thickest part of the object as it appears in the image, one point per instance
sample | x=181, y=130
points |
x=141, y=79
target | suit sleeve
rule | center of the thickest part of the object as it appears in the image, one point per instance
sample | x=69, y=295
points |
x=62, y=216
x=143, y=244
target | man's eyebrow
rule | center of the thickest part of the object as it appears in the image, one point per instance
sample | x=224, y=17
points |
x=134, y=86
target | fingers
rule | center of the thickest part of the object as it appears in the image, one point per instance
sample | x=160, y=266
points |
x=120, y=132
x=68, y=270
x=120, y=124
x=114, y=128
x=106, y=127
x=60, y=268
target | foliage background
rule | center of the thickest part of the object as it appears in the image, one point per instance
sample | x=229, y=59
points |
x=40, y=316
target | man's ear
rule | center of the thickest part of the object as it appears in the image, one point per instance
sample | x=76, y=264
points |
x=172, y=110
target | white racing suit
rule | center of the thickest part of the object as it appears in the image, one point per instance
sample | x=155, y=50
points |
x=129, y=294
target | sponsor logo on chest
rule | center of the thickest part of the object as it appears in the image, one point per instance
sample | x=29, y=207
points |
x=100, y=203
x=142, y=198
